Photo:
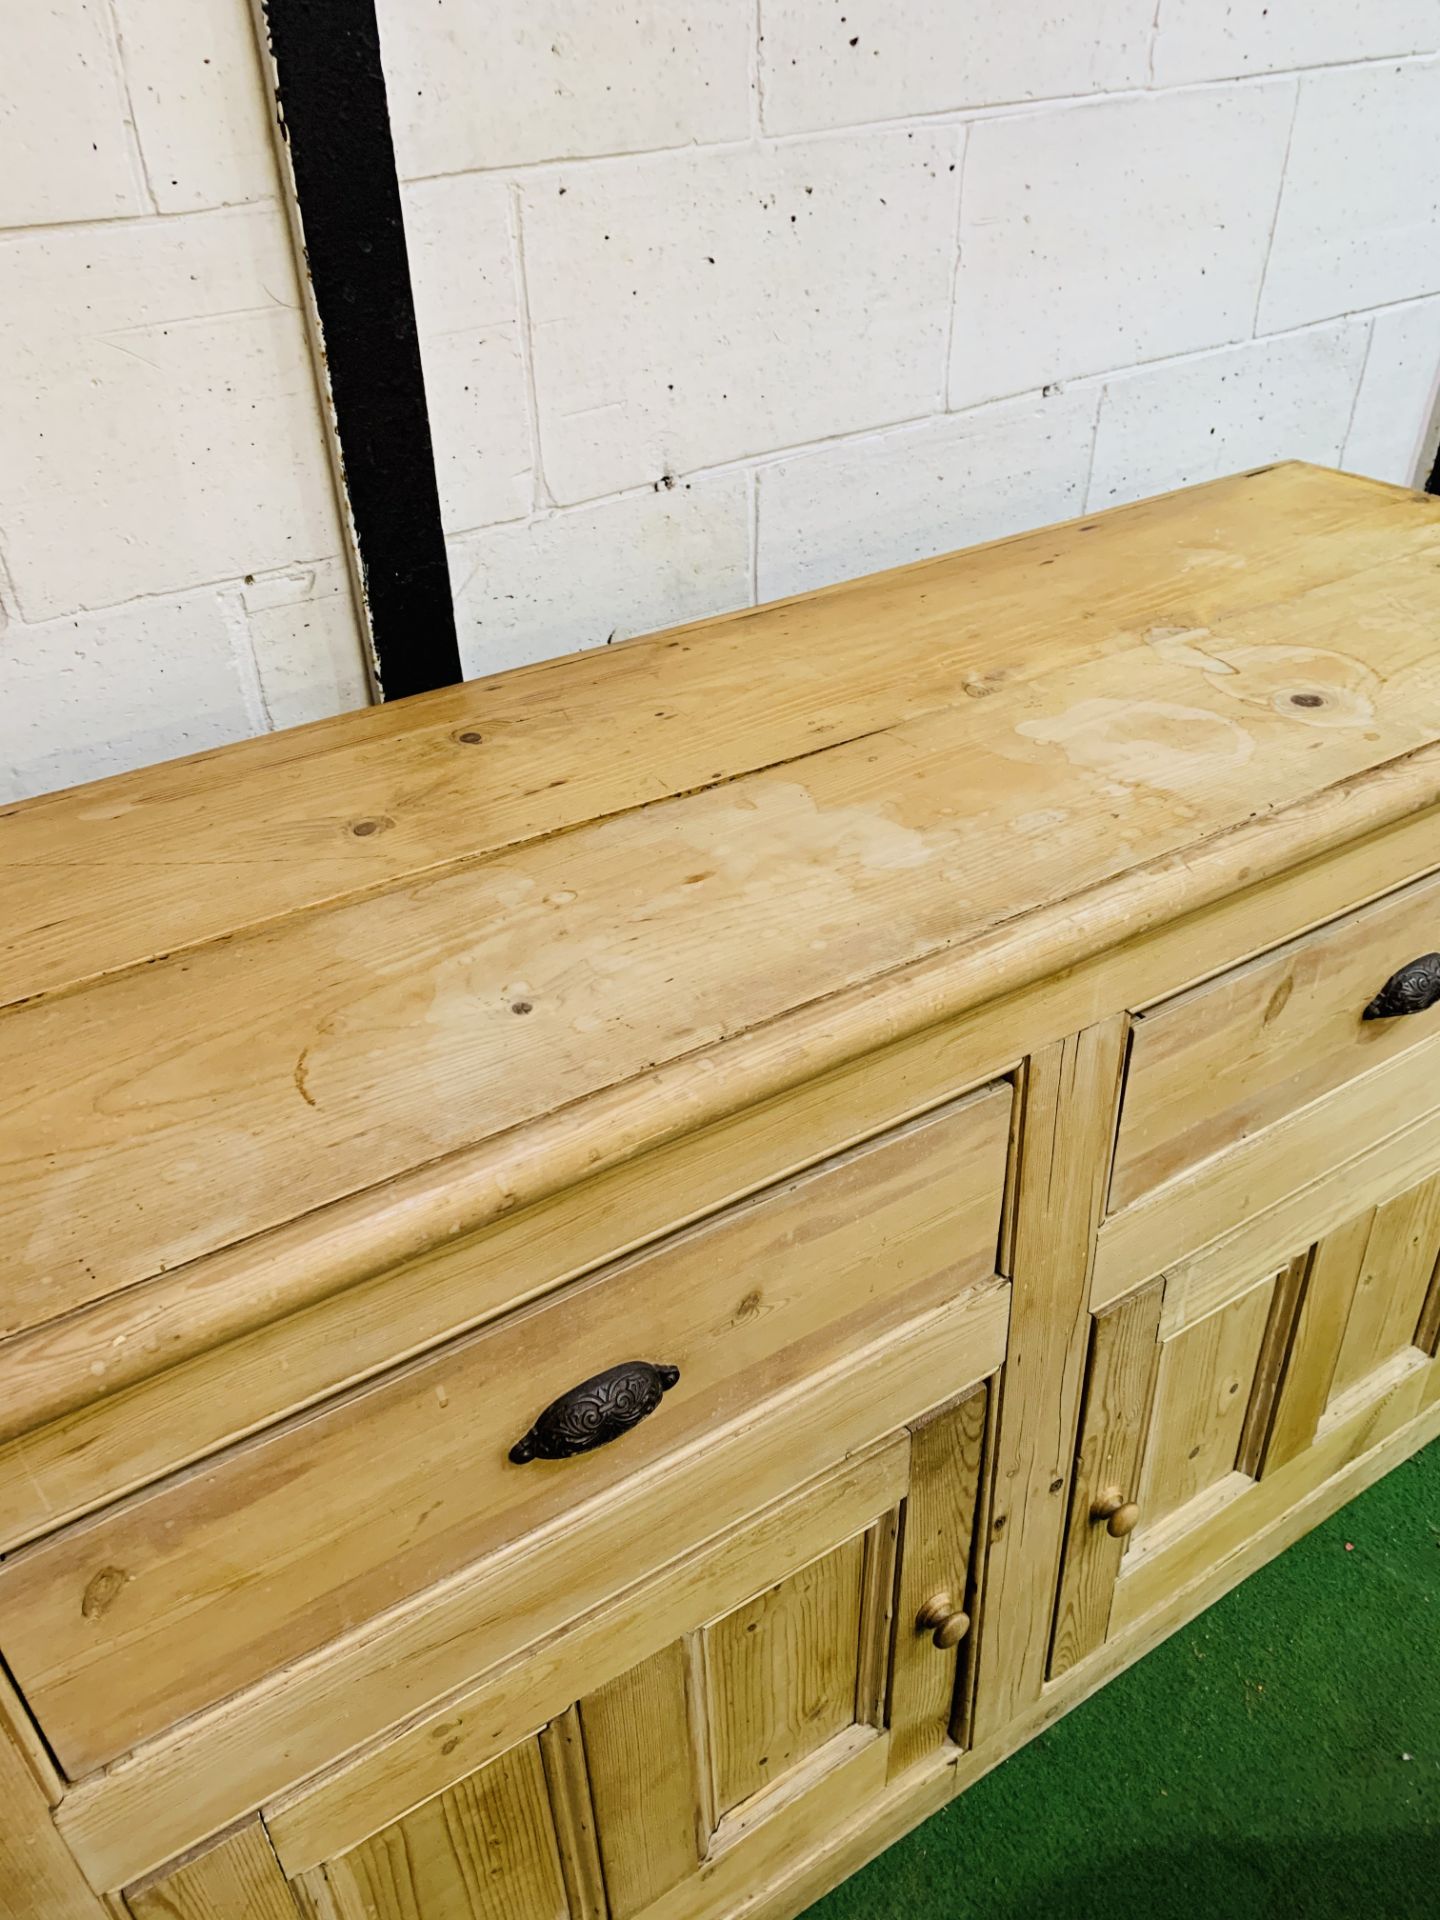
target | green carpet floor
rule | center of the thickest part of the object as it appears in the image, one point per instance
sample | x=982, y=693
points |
x=1279, y=1756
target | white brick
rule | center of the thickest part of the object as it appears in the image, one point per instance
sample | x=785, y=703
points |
x=1359, y=220
x=201, y=111
x=830, y=63
x=872, y=504
x=462, y=273
x=301, y=627
x=580, y=578
x=488, y=83
x=1221, y=39
x=693, y=310
x=1173, y=426
x=97, y=693
x=1100, y=235
x=1392, y=435
x=160, y=428
x=66, y=150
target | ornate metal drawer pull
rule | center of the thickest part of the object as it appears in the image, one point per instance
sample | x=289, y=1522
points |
x=1414, y=988
x=598, y=1410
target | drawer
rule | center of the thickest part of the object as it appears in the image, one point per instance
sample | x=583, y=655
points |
x=123, y=1625
x=1223, y=1062
x=132, y=1415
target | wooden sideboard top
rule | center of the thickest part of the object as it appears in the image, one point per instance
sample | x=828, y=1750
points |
x=244, y=986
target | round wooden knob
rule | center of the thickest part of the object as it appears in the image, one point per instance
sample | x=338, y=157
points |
x=946, y=1623
x=1121, y=1516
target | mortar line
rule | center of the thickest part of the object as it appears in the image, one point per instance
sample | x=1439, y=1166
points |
x=1275, y=213
x=540, y=493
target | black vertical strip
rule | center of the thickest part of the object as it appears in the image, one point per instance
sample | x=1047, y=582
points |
x=330, y=92
x=1432, y=485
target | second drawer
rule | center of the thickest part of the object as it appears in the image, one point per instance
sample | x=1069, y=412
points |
x=1224, y=1061
x=123, y=1625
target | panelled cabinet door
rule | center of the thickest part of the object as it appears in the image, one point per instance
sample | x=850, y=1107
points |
x=1210, y=1409
x=1369, y=1321
x=487, y=1849
x=737, y=1746
x=1179, y=1396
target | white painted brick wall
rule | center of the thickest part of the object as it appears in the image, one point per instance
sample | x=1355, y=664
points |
x=826, y=64
x=1103, y=235
x=866, y=504
x=803, y=291
x=1359, y=219
x=1179, y=423
x=584, y=576
x=1400, y=393
x=170, y=549
x=717, y=243
x=718, y=299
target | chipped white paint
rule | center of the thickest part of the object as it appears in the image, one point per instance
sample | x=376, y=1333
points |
x=170, y=572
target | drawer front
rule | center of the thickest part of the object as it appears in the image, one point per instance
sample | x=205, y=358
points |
x=123, y=1625
x=128, y=1431
x=1223, y=1062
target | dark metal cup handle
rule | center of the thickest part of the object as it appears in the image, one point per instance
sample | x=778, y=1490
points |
x=599, y=1410
x=1414, y=988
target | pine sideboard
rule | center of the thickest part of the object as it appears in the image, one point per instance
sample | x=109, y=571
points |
x=619, y=1278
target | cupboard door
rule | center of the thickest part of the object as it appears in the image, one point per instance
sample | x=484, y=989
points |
x=486, y=1849
x=1179, y=1399
x=239, y=1876
x=1371, y=1314
x=936, y=1601
x=728, y=1750
x=1210, y=1407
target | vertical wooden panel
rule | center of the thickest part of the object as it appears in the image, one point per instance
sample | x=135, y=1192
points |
x=1124, y=1352
x=640, y=1749
x=1270, y=1369
x=1394, y=1279
x=1427, y=1330
x=562, y=1751
x=483, y=1850
x=38, y=1876
x=1305, y=1389
x=1066, y=1136
x=782, y=1673
x=1206, y=1374
x=877, y=1613
x=937, y=1534
x=238, y=1880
